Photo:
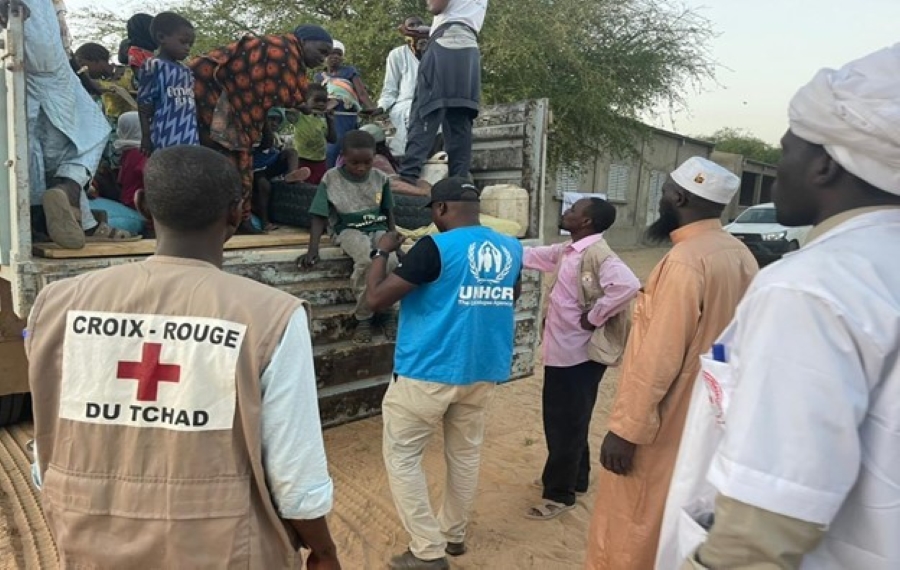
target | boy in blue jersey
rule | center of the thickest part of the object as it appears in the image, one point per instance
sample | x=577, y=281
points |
x=166, y=92
x=457, y=293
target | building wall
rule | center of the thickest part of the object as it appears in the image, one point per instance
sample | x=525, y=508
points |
x=756, y=177
x=637, y=199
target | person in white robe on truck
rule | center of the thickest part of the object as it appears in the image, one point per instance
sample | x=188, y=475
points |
x=401, y=71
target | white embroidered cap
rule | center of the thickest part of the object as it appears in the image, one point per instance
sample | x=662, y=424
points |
x=703, y=177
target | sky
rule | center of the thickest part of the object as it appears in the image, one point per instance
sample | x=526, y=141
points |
x=768, y=49
x=765, y=51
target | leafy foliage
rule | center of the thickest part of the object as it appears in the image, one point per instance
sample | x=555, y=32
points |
x=740, y=141
x=601, y=63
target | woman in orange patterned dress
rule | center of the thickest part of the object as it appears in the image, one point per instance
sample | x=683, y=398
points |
x=235, y=86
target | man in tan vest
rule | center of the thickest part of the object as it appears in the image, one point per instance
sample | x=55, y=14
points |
x=589, y=293
x=176, y=419
x=684, y=305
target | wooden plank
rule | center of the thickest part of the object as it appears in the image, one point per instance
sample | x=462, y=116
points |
x=278, y=238
x=53, y=251
x=506, y=157
x=499, y=133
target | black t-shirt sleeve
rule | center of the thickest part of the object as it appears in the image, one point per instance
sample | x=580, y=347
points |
x=422, y=264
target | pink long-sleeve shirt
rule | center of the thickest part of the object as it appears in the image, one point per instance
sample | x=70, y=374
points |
x=565, y=342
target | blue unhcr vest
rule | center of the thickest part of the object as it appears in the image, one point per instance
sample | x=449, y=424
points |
x=459, y=329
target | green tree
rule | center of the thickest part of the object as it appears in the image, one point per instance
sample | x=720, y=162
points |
x=601, y=63
x=740, y=141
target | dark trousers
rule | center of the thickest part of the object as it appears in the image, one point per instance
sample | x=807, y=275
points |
x=343, y=124
x=569, y=397
x=421, y=136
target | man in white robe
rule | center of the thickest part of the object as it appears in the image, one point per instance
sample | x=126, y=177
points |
x=808, y=470
x=400, y=75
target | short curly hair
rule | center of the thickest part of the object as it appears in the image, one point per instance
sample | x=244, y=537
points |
x=357, y=139
x=168, y=23
x=92, y=52
x=189, y=187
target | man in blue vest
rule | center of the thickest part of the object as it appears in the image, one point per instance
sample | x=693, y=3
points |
x=457, y=293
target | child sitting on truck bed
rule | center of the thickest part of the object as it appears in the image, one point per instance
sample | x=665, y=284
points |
x=133, y=161
x=356, y=199
x=271, y=162
x=114, y=83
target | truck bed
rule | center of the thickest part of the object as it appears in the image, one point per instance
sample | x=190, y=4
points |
x=509, y=148
x=279, y=238
x=351, y=378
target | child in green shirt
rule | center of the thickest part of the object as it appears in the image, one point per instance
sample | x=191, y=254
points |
x=312, y=131
x=356, y=200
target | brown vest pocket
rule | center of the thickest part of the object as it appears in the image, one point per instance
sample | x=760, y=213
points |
x=109, y=521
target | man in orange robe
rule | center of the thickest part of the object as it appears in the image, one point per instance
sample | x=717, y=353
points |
x=688, y=300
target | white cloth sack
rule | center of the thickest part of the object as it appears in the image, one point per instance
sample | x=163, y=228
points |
x=691, y=496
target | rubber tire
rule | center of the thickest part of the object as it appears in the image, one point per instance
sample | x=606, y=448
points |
x=410, y=211
x=289, y=206
x=14, y=408
x=794, y=245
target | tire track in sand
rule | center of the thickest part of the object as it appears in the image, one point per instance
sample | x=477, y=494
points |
x=34, y=540
x=367, y=524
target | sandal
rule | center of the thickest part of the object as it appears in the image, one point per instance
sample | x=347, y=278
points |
x=389, y=326
x=63, y=220
x=106, y=233
x=298, y=175
x=547, y=510
x=363, y=333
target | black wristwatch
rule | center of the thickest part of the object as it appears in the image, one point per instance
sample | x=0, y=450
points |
x=379, y=253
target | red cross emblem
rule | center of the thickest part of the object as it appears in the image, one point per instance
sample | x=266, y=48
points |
x=149, y=372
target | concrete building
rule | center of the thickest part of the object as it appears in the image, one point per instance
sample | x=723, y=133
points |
x=633, y=184
x=756, y=177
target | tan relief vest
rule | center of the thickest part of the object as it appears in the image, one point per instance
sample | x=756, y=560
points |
x=146, y=385
x=607, y=344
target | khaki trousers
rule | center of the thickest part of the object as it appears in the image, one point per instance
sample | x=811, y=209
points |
x=359, y=246
x=412, y=411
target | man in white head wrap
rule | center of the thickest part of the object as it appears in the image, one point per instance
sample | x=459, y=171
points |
x=807, y=473
x=684, y=305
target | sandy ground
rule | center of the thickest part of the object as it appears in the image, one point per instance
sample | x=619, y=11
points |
x=10, y=541
x=364, y=522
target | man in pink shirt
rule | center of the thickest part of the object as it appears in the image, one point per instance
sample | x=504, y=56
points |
x=571, y=378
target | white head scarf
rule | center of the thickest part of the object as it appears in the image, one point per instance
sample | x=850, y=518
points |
x=335, y=44
x=128, y=131
x=854, y=112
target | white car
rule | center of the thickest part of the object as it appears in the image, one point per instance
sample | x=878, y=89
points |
x=764, y=236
